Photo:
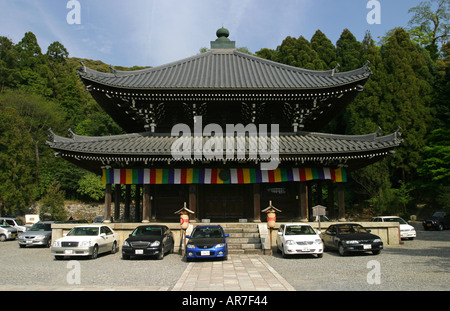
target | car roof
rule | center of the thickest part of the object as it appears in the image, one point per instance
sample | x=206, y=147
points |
x=297, y=224
x=208, y=226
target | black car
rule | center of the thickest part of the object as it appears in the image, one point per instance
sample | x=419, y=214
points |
x=440, y=221
x=148, y=240
x=350, y=238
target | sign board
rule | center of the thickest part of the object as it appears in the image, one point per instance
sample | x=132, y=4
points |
x=319, y=210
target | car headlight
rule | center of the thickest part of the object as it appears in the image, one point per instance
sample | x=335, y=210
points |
x=40, y=237
x=85, y=243
x=155, y=244
x=377, y=241
x=220, y=245
x=125, y=243
x=318, y=241
x=57, y=244
x=351, y=242
x=290, y=242
x=190, y=246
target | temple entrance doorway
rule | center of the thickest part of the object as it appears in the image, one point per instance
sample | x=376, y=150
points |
x=225, y=202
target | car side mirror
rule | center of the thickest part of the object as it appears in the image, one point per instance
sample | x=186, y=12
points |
x=188, y=236
x=280, y=233
x=227, y=235
x=368, y=230
x=102, y=235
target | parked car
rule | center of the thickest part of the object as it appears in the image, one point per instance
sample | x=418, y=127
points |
x=14, y=222
x=406, y=230
x=40, y=234
x=439, y=220
x=89, y=240
x=7, y=232
x=153, y=240
x=298, y=238
x=207, y=241
x=351, y=238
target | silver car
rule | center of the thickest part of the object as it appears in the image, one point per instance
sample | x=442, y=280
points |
x=7, y=233
x=15, y=222
x=40, y=234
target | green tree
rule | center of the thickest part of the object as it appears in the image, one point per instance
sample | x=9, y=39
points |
x=407, y=90
x=91, y=186
x=17, y=162
x=53, y=203
x=325, y=49
x=430, y=26
x=348, y=51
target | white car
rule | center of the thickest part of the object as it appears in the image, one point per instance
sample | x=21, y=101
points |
x=88, y=240
x=298, y=238
x=406, y=230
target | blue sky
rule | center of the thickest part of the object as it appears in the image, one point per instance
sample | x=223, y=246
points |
x=156, y=32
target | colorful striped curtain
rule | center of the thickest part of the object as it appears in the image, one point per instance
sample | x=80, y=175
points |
x=219, y=176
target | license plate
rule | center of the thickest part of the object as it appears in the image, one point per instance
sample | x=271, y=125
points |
x=306, y=249
x=68, y=252
x=428, y=225
x=139, y=251
x=367, y=246
x=29, y=242
x=204, y=253
x=13, y=235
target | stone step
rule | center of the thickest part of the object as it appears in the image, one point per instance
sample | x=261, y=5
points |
x=244, y=235
x=243, y=240
x=241, y=230
x=245, y=246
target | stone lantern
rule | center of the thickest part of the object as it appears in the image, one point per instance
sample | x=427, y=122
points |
x=271, y=212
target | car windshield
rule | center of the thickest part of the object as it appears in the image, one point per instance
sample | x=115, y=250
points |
x=207, y=232
x=81, y=231
x=347, y=229
x=396, y=219
x=439, y=214
x=41, y=227
x=147, y=231
x=299, y=230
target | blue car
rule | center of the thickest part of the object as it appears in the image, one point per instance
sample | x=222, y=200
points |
x=207, y=242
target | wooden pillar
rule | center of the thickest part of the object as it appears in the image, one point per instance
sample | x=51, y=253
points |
x=193, y=188
x=146, y=204
x=117, y=193
x=303, y=200
x=341, y=202
x=107, y=211
x=126, y=212
x=256, y=203
x=137, y=203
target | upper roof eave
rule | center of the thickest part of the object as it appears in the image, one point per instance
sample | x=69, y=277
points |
x=225, y=71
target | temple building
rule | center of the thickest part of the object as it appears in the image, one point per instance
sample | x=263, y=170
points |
x=226, y=132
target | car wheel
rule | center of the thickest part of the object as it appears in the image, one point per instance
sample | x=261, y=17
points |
x=114, y=248
x=440, y=227
x=49, y=243
x=319, y=255
x=341, y=249
x=282, y=252
x=2, y=238
x=59, y=257
x=160, y=256
x=125, y=257
x=94, y=252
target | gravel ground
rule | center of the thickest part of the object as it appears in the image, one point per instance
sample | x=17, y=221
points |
x=421, y=264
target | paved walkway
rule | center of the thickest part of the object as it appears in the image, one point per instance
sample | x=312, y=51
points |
x=238, y=273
